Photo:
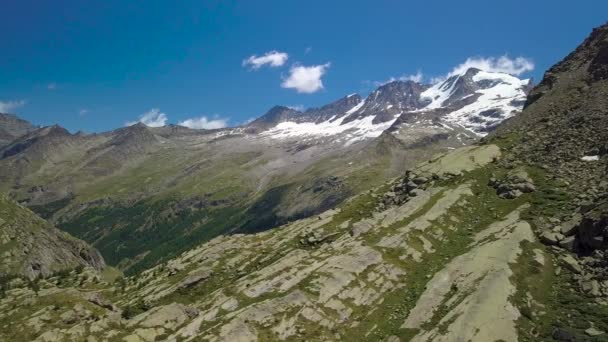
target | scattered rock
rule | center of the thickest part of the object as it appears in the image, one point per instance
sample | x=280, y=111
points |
x=515, y=185
x=593, y=332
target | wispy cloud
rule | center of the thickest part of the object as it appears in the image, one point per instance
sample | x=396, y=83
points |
x=305, y=79
x=417, y=77
x=51, y=86
x=8, y=106
x=272, y=58
x=503, y=64
x=248, y=121
x=153, y=118
x=203, y=122
x=299, y=107
x=83, y=112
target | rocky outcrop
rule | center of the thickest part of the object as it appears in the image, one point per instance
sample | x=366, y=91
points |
x=32, y=247
x=513, y=186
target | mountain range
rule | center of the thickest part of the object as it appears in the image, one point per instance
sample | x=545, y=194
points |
x=474, y=209
x=183, y=184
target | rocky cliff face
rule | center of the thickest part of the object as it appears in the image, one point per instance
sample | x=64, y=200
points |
x=31, y=247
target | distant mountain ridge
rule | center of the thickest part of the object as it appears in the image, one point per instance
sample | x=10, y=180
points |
x=475, y=100
x=140, y=194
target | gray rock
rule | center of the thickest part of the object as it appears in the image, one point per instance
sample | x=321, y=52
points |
x=525, y=187
x=420, y=180
x=593, y=332
x=512, y=194
x=415, y=192
x=69, y=317
x=568, y=243
x=571, y=226
x=592, y=287
x=571, y=264
x=550, y=238
x=195, y=279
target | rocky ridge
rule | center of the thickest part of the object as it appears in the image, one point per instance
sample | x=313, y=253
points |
x=32, y=248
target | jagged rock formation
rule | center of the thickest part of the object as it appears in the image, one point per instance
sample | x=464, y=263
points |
x=31, y=247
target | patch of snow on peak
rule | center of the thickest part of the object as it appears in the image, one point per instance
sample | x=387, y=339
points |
x=498, y=102
x=438, y=93
x=354, y=130
x=590, y=158
x=355, y=108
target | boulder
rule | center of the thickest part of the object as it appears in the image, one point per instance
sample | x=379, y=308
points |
x=571, y=264
x=568, y=243
x=420, y=180
x=594, y=332
x=592, y=287
x=524, y=187
x=195, y=279
x=97, y=299
x=571, y=226
x=512, y=194
x=550, y=238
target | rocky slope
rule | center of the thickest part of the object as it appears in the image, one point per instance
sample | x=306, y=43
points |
x=499, y=241
x=12, y=127
x=32, y=248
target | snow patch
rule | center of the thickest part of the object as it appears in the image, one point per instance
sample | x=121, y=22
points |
x=590, y=158
x=355, y=130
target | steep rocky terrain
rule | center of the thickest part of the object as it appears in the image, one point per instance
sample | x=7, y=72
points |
x=503, y=240
x=32, y=248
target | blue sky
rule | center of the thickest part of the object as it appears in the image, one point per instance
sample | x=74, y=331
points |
x=98, y=65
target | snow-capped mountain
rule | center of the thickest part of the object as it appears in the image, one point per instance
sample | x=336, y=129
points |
x=478, y=100
x=475, y=101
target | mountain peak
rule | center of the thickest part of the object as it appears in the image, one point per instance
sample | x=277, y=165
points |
x=13, y=127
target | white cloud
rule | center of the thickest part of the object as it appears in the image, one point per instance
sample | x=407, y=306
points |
x=438, y=79
x=204, y=123
x=417, y=77
x=299, y=107
x=83, y=112
x=504, y=64
x=52, y=86
x=153, y=118
x=248, y=121
x=272, y=58
x=305, y=79
x=9, y=106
